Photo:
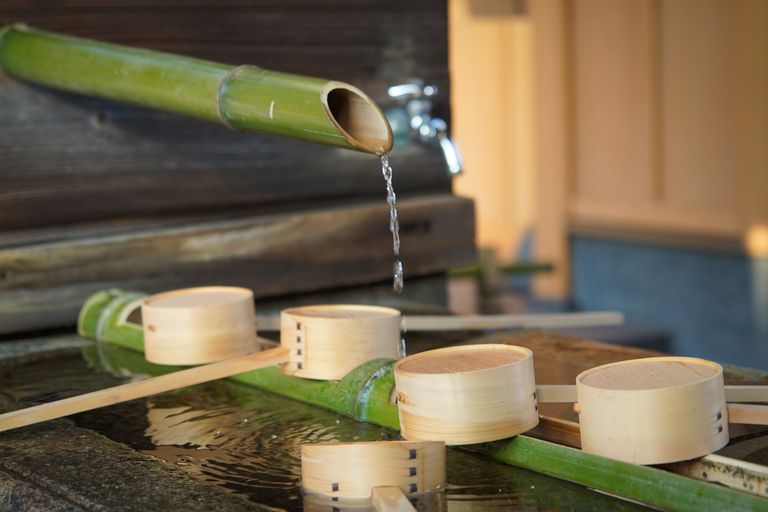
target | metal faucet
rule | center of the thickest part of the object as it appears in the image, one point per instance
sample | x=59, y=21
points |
x=412, y=121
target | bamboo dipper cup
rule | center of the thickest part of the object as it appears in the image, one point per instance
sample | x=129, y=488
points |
x=327, y=342
x=199, y=325
x=211, y=323
x=466, y=395
x=653, y=411
x=380, y=472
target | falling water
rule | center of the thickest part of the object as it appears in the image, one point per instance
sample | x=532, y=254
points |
x=394, y=224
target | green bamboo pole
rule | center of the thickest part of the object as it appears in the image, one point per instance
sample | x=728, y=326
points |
x=244, y=98
x=365, y=393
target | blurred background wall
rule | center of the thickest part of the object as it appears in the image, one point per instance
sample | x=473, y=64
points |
x=629, y=142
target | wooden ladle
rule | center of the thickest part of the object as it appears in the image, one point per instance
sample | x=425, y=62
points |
x=198, y=325
x=382, y=472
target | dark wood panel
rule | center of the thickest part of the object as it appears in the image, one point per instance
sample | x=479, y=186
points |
x=44, y=284
x=364, y=42
x=66, y=159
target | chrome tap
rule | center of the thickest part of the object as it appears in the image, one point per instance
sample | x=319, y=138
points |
x=413, y=122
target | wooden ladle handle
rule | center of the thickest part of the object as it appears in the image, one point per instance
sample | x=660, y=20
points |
x=142, y=388
x=566, y=393
x=390, y=499
x=748, y=414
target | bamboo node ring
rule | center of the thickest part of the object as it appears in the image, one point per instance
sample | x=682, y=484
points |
x=223, y=82
x=15, y=26
x=7, y=28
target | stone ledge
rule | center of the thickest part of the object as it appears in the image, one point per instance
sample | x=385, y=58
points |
x=59, y=467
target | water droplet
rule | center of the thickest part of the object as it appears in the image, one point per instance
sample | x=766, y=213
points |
x=401, y=348
x=394, y=223
x=245, y=420
x=398, y=282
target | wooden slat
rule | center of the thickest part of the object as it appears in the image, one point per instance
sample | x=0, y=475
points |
x=748, y=413
x=614, y=91
x=557, y=431
x=45, y=284
x=390, y=499
x=554, y=146
x=700, y=101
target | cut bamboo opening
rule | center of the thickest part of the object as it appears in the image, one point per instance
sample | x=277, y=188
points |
x=244, y=98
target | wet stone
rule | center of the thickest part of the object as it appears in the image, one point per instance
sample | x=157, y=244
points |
x=59, y=467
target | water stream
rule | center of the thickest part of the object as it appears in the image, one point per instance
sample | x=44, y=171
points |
x=394, y=224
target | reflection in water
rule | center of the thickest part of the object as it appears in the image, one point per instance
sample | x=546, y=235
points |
x=248, y=441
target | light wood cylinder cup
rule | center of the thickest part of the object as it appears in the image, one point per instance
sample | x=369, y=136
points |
x=199, y=325
x=329, y=341
x=653, y=411
x=352, y=470
x=466, y=395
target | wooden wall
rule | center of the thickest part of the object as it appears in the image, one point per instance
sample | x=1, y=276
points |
x=95, y=193
x=652, y=124
x=492, y=88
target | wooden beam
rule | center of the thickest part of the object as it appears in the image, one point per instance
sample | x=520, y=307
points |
x=44, y=284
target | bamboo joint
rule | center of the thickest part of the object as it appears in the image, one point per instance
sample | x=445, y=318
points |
x=245, y=98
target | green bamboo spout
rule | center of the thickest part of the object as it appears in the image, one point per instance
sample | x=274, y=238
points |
x=244, y=98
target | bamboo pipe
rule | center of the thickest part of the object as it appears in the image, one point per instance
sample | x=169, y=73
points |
x=244, y=98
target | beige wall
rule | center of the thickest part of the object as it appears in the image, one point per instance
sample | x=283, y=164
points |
x=642, y=119
x=491, y=62
x=663, y=111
